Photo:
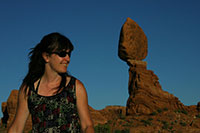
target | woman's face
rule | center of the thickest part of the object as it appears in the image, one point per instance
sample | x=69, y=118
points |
x=58, y=61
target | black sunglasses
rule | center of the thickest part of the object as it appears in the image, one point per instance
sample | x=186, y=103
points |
x=62, y=53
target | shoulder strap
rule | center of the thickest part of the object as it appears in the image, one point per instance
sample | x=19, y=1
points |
x=73, y=79
x=38, y=86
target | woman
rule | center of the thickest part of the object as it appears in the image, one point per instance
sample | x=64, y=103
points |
x=56, y=101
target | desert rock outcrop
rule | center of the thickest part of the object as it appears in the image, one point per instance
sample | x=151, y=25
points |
x=198, y=107
x=145, y=92
x=9, y=110
x=132, y=42
x=98, y=116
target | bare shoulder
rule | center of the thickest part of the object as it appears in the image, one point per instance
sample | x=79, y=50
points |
x=80, y=88
x=23, y=91
x=79, y=84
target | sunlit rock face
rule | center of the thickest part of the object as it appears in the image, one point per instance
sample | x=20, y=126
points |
x=9, y=111
x=132, y=42
x=145, y=92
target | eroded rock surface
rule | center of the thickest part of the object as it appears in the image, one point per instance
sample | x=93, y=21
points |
x=9, y=111
x=132, y=42
x=146, y=94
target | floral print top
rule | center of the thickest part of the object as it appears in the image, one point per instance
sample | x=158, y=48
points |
x=54, y=114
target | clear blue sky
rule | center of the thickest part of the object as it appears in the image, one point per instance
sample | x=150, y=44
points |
x=172, y=28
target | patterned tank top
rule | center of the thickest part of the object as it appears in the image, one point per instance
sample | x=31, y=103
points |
x=54, y=114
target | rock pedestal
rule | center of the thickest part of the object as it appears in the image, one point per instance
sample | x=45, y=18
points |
x=145, y=92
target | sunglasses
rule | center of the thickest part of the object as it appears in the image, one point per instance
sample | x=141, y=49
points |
x=62, y=53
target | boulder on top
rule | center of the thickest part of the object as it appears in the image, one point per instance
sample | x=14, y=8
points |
x=132, y=42
x=145, y=92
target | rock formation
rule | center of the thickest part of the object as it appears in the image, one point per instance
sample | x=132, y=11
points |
x=198, y=107
x=115, y=118
x=9, y=110
x=98, y=116
x=132, y=42
x=145, y=96
x=145, y=92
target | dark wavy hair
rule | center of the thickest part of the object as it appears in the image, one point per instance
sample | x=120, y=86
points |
x=49, y=43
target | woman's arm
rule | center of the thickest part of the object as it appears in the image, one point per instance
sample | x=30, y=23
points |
x=21, y=115
x=82, y=105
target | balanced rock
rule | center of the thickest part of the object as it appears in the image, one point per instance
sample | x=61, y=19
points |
x=145, y=92
x=132, y=42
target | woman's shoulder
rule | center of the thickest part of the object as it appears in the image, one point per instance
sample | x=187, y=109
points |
x=76, y=81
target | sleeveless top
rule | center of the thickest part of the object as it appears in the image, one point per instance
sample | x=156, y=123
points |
x=54, y=114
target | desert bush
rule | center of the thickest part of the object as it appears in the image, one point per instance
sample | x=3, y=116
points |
x=102, y=128
x=181, y=111
x=198, y=116
x=146, y=122
x=159, y=110
x=127, y=124
x=122, y=116
x=158, y=120
x=165, y=109
x=184, y=112
x=122, y=131
x=165, y=125
x=150, y=119
x=153, y=113
x=183, y=124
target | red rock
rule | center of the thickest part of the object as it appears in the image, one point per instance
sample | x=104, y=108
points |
x=10, y=110
x=198, y=107
x=146, y=94
x=132, y=42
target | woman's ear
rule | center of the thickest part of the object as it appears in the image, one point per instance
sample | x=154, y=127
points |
x=45, y=56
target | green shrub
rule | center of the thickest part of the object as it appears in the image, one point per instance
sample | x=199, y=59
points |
x=159, y=110
x=153, y=113
x=122, y=131
x=198, y=116
x=181, y=111
x=165, y=109
x=184, y=112
x=127, y=124
x=146, y=122
x=102, y=128
x=183, y=124
x=165, y=125
x=150, y=119
x=109, y=122
x=122, y=116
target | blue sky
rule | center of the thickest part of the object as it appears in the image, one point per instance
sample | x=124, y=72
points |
x=172, y=28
